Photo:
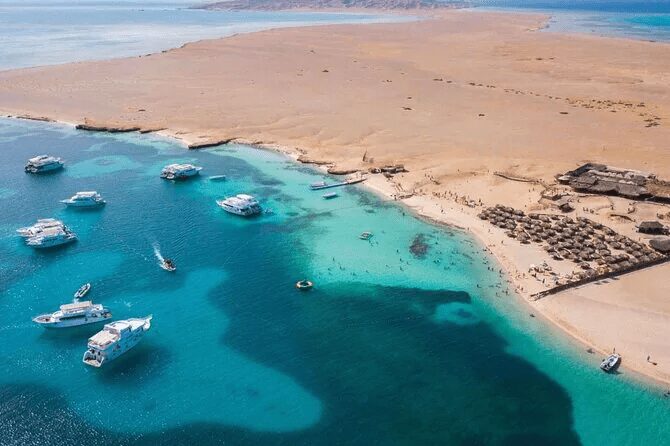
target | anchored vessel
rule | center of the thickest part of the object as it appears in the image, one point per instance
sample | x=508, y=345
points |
x=84, y=199
x=180, y=171
x=50, y=237
x=41, y=225
x=610, y=363
x=114, y=340
x=43, y=163
x=73, y=315
x=323, y=185
x=241, y=204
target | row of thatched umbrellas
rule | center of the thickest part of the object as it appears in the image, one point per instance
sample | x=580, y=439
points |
x=580, y=240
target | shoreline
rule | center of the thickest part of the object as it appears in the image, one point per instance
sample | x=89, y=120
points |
x=465, y=168
x=460, y=221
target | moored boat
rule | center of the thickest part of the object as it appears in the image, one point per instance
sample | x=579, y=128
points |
x=241, y=204
x=330, y=195
x=323, y=185
x=318, y=185
x=115, y=339
x=39, y=226
x=610, y=363
x=180, y=171
x=73, y=315
x=51, y=237
x=365, y=236
x=217, y=178
x=84, y=199
x=43, y=164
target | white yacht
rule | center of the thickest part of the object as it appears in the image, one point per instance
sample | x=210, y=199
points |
x=180, y=171
x=73, y=315
x=241, y=204
x=43, y=163
x=51, y=237
x=84, y=199
x=115, y=339
x=39, y=226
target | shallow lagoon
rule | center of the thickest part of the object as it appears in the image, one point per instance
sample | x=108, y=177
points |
x=388, y=348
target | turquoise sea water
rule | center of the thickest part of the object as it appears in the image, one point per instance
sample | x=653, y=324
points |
x=638, y=19
x=388, y=349
x=47, y=32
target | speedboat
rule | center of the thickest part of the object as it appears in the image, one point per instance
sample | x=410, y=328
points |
x=41, y=225
x=73, y=315
x=43, y=163
x=241, y=204
x=115, y=339
x=84, y=199
x=51, y=237
x=365, y=236
x=82, y=291
x=168, y=265
x=180, y=171
x=610, y=363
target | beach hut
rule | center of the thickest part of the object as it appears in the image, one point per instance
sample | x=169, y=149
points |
x=661, y=245
x=652, y=227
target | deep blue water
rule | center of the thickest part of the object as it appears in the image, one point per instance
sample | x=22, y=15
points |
x=388, y=349
x=647, y=20
x=48, y=32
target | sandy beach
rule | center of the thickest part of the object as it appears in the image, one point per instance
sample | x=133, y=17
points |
x=455, y=98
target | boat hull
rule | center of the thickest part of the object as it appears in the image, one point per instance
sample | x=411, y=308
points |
x=80, y=204
x=44, y=169
x=240, y=213
x=46, y=321
x=52, y=244
x=180, y=176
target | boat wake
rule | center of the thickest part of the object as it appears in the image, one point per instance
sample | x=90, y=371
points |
x=157, y=253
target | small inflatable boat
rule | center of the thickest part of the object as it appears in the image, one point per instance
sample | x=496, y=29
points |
x=82, y=291
x=304, y=285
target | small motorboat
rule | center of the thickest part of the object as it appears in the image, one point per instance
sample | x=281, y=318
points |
x=304, y=285
x=82, y=291
x=610, y=363
x=365, y=236
x=168, y=265
x=318, y=185
x=217, y=178
x=330, y=195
